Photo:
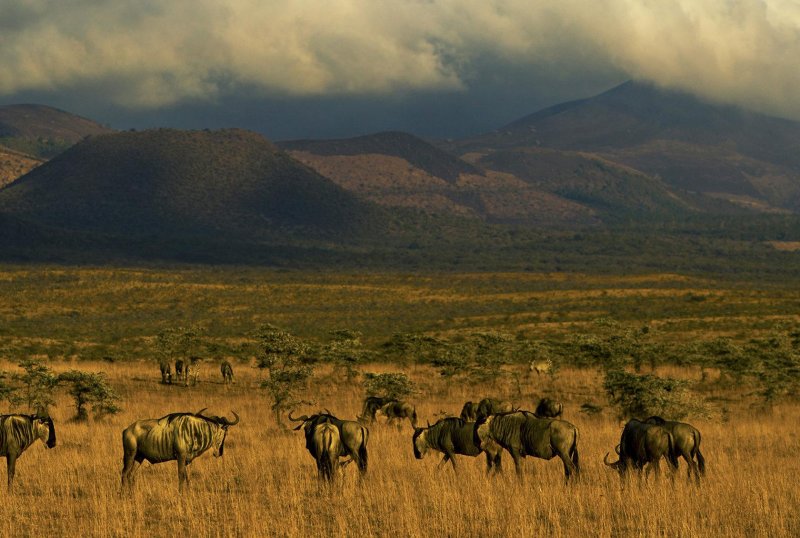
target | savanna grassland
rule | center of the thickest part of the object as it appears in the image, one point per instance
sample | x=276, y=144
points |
x=102, y=319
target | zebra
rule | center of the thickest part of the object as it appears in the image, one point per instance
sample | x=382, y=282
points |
x=177, y=436
x=227, y=372
x=18, y=432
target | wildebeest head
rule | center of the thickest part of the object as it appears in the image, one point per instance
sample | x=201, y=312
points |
x=218, y=442
x=44, y=430
x=549, y=408
x=480, y=434
x=420, y=442
x=618, y=465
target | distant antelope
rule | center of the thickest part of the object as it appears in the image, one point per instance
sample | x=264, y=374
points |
x=543, y=366
x=227, y=372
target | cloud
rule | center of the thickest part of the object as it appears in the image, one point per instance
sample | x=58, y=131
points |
x=151, y=53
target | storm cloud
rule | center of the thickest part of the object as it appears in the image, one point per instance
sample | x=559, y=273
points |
x=151, y=54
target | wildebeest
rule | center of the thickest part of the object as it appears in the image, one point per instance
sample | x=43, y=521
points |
x=166, y=372
x=398, y=410
x=686, y=440
x=177, y=436
x=541, y=366
x=522, y=434
x=326, y=447
x=353, y=435
x=18, y=432
x=549, y=408
x=492, y=406
x=452, y=436
x=640, y=444
x=372, y=405
x=180, y=370
x=227, y=372
x=469, y=412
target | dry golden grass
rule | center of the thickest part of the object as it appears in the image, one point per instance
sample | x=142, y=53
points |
x=266, y=483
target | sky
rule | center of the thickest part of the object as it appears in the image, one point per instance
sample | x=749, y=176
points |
x=338, y=68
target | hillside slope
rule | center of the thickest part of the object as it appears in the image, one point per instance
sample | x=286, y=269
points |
x=401, y=170
x=43, y=131
x=723, y=152
x=169, y=183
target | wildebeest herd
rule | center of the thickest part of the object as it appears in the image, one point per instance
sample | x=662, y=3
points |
x=488, y=427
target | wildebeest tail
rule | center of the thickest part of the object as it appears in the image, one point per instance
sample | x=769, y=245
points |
x=51, y=437
x=701, y=461
x=362, y=451
x=673, y=453
x=574, y=452
x=328, y=455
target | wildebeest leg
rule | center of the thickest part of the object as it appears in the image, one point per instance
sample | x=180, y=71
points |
x=11, y=465
x=129, y=468
x=569, y=467
x=445, y=459
x=515, y=456
x=183, y=475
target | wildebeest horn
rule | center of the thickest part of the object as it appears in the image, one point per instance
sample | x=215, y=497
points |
x=200, y=413
x=229, y=423
x=300, y=419
x=327, y=412
x=605, y=460
x=616, y=449
x=429, y=423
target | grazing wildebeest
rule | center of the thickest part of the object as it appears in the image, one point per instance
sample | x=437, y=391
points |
x=541, y=366
x=686, y=440
x=166, y=372
x=549, y=408
x=469, y=412
x=492, y=406
x=522, y=434
x=177, y=436
x=372, y=405
x=227, y=372
x=452, y=436
x=398, y=410
x=180, y=371
x=640, y=444
x=18, y=432
x=353, y=435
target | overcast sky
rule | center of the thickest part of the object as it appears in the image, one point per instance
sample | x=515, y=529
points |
x=439, y=68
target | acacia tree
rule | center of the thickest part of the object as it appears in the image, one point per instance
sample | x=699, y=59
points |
x=345, y=351
x=36, y=387
x=393, y=385
x=283, y=357
x=88, y=388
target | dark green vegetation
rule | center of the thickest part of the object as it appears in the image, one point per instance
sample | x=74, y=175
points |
x=468, y=327
x=34, y=390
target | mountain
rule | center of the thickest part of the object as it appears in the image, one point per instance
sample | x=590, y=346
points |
x=400, y=170
x=42, y=131
x=689, y=145
x=228, y=186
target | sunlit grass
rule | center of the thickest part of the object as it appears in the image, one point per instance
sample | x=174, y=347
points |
x=266, y=483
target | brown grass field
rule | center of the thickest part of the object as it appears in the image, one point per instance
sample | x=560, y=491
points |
x=266, y=483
